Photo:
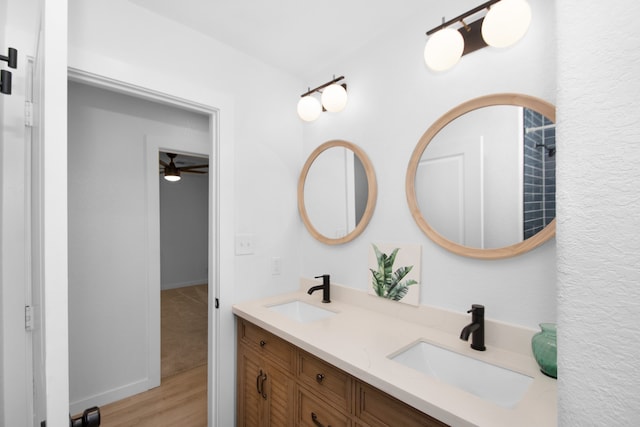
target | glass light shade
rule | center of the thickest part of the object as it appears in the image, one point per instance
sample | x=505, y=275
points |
x=443, y=49
x=334, y=98
x=309, y=108
x=506, y=22
x=172, y=178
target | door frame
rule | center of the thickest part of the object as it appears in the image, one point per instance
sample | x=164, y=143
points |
x=221, y=326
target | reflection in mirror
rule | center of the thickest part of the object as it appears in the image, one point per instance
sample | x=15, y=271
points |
x=336, y=192
x=485, y=185
x=481, y=181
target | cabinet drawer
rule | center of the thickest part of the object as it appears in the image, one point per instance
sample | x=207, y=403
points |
x=267, y=345
x=325, y=380
x=312, y=412
x=377, y=408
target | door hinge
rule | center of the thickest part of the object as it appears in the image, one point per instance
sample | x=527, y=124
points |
x=217, y=303
x=43, y=423
x=28, y=318
x=28, y=113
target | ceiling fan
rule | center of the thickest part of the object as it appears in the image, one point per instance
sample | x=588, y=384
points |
x=172, y=172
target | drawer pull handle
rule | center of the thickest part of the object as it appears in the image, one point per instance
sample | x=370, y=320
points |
x=262, y=343
x=314, y=418
x=258, y=383
x=264, y=378
x=260, y=379
x=319, y=378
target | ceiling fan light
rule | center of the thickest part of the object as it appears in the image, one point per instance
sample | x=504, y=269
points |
x=506, y=22
x=172, y=173
x=172, y=178
x=443, y=49
x=334, y=98
x=309, y=108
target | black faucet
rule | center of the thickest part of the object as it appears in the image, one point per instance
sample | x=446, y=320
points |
x=476, y=327
x=325, y=288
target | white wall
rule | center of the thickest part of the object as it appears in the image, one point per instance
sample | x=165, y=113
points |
x=108, y=281
x=598, y=205
x=393, y=99
x=184, y=214
x=53, y=136
x=266, y=131
x=258, y=124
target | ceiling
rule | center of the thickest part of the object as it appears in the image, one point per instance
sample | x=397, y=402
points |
x=291, y=34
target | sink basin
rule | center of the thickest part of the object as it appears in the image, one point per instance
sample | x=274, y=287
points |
x=301, y=311
x=501, y=386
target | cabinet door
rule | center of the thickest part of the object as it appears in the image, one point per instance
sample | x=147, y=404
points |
x=279, y=389
x=251, y=412
x=265, y=392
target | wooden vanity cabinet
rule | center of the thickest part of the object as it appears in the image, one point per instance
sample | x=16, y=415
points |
x=282, y=385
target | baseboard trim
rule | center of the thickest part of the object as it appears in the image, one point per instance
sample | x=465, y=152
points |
x=167, y=286
x=111, y=396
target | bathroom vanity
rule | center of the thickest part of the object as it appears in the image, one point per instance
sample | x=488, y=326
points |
x=280, y=384
x=301, y=362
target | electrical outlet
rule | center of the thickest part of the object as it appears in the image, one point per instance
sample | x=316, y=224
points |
x=244, y=244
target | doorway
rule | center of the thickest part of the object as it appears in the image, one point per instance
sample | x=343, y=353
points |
x=184, y=188
x=114, y=241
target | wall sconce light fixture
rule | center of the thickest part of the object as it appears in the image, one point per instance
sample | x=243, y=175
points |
x=334, y=98
x=505, y=22
x=5, y=76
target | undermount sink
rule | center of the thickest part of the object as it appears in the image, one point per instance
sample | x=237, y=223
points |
x=501, y=386
x=301, y=311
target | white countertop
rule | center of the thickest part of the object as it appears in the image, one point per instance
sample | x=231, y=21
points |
x=367, y=329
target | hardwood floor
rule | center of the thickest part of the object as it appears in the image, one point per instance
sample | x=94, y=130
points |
x=181, y=400
x=184, y=323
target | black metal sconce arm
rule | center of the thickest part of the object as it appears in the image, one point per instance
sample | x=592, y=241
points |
x=5, y=76
x=11, y=58
x=319, y=88
x=459, y=18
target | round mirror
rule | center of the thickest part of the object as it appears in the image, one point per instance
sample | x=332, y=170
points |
x=481, y=181
x=337, y=192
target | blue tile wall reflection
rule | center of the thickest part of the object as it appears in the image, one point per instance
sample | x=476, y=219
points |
x=539, y=181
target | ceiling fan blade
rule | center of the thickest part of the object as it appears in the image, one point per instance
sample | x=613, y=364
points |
x=163, y=163
x=186, y=168
x=189, y=171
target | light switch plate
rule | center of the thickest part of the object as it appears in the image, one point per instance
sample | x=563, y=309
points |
x=244, y=244
x=276, y=266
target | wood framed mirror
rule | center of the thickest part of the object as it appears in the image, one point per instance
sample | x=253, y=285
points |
x=481, y=180
x=337, y=192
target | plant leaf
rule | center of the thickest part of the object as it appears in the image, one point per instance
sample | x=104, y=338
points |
x=378, y=282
